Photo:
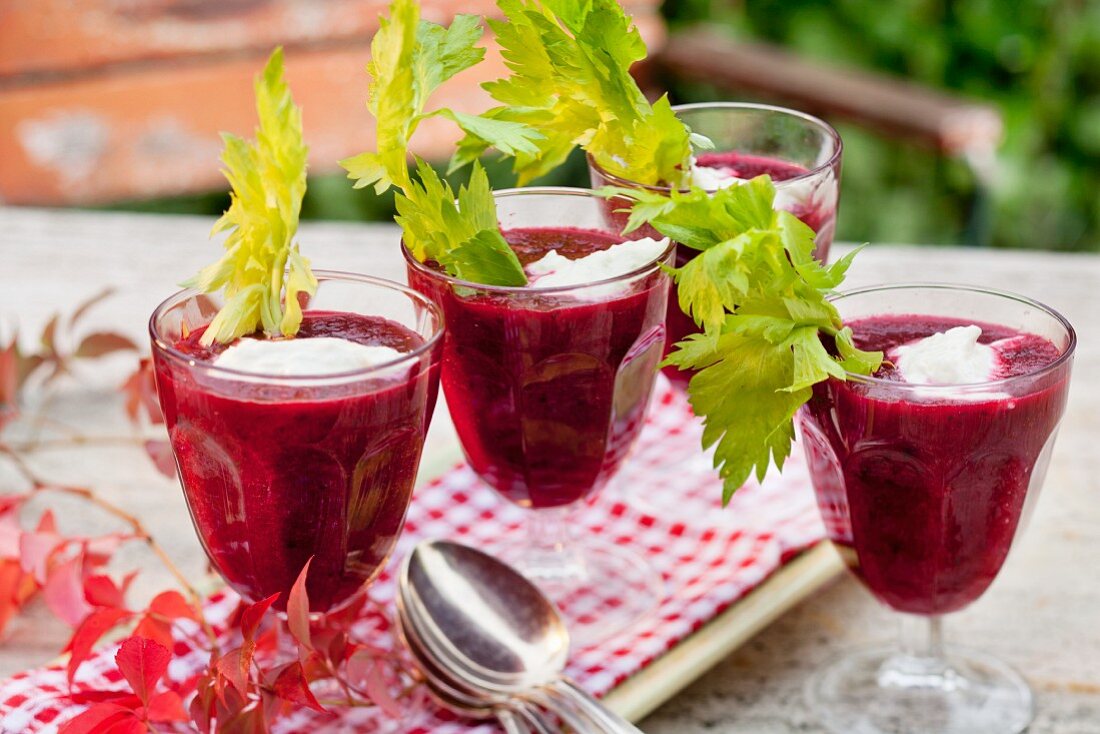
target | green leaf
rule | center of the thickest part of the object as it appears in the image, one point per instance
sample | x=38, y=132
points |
x=268, y=180
x=762, y=301
x=486, y=258
x=570, y=80
x=410, y=59
x=460, y=232
x=746, y=411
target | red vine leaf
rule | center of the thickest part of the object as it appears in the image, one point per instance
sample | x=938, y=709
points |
x=160, y=453
x=102, y=343
x=99, y=718
x=251, y=719
x=143, y=663
x=47, y=523
x=165, y=707
x=253, y=614
x=367, y=671
x=140, y=390
x=291, y=686
x=35, y=551
x=16, y=587
x=297, y=609
x=101, y=590
x=64, y=591
x=9, y=379
x=87, y=305
x=94, y=626
x=234, y=667
x=130, y=725
x=172, y=606
x=155, y=629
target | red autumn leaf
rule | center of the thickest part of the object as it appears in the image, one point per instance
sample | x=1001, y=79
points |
x=253, y=614
x=9, y=379
x=140, y=390
x=234, y=668
x=101, y=590
x=371, y=674
x=64, y=591
x=155, y=629
x=143, y=663
x=87, y=305
x=297, y=609
x=165, y=707
x=97, y=624
x=35, y=551
x=96, y=719
x=160, y=453
x=291, y=686
x=102, y=343
x=250, y=719
x=126, y=725
x=98, y=551
x=47, y=523
x=10, y=535
x=122, y=698
x=172, y=605
x=204, y=703
x=15, y=588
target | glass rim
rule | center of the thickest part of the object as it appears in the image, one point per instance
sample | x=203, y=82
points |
x=651, y=266
x=829, y=130
x=966, y=387
x=170, y=352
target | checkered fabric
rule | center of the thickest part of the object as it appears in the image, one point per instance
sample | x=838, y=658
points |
x=665, y=503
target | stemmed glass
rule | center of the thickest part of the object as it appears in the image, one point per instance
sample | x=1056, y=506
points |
x=799, y=148
x=277, y=470
x=923, y=490
x=548, y=389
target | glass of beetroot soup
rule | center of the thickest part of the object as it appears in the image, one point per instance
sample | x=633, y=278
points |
x=925, y=473
x=301, y=448
x=548, y=385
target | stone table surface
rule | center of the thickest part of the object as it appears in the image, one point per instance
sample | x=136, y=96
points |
x=1042, y=614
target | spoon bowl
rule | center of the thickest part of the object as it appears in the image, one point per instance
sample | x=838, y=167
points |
x=482, y=616
x=489, y=631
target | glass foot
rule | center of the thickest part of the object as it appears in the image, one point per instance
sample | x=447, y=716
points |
x=600, y=588
x=883, y=691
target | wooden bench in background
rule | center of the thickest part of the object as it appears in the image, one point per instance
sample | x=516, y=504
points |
x=109, y=100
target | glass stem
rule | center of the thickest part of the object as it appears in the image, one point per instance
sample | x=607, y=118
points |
x=551, y=552
x=921, y=637
x=920, y=661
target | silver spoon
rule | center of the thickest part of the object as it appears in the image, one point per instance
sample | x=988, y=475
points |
x=511, y=712
x=494, y=629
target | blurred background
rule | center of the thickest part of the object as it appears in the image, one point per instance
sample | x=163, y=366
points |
x=964, y=121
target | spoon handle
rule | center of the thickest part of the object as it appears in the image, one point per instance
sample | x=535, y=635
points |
x=534, y=720
x=512, y=723
x=566, y=709
x=607, y=719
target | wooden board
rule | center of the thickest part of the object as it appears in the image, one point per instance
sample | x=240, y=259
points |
x=645, y=691
x=669, y=674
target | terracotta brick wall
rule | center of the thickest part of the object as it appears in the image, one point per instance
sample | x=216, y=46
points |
x=103, y=100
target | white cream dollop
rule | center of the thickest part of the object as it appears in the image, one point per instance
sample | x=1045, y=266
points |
x=712, y=179
x=790, y=195
x=952, y=357
x=321, y=355
x=554, y=270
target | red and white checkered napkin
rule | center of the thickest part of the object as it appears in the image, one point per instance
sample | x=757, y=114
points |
x=665, y=503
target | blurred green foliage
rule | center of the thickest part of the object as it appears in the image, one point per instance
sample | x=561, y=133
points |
x=1037, y=60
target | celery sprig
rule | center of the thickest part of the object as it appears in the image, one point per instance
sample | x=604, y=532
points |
x=262, y=272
